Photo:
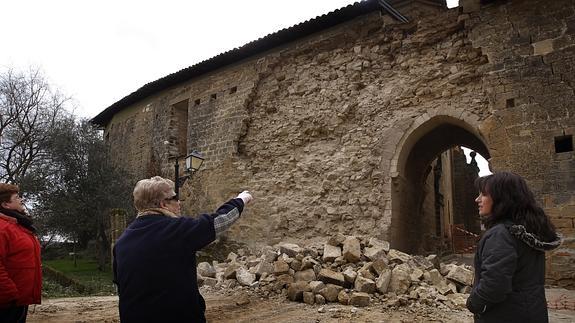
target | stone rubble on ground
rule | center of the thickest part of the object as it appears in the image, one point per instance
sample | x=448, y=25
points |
x=348, y=270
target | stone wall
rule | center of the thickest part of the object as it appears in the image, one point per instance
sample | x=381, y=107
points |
x=333, y=133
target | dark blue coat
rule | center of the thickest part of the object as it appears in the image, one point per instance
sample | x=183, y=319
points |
x=155, y=266
x=509, y=283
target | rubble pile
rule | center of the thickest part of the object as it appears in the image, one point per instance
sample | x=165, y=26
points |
x=347, y=269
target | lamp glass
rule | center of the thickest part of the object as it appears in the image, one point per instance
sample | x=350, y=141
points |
x=194, y=161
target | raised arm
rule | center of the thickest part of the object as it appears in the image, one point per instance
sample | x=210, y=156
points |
x=229, y=212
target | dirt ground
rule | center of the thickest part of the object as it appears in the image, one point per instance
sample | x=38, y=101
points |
x=241, y=307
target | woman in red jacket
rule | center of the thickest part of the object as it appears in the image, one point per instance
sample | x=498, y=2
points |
x=20, y=269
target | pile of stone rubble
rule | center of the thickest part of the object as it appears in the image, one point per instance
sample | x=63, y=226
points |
x=347, y=269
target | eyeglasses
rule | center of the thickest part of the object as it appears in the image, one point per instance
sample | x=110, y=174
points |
x=173, y=198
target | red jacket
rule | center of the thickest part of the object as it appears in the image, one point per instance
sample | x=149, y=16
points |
x=20, y=267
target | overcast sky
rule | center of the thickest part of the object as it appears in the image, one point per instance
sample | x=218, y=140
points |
x=97, y=52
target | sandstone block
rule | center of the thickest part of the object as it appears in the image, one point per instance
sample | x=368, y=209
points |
x=400, y=280
x=359, y=299
x=374, y=242
x=398, y=256
x=343, y=297
x=205, y=269
x=363, y=284
x=308, y=298
x=416, y=275
x=295, y=265
x=263, y=267
x=351, y=249
x=230, y=272
x=319, y=299
x=232, y=257
x=244, y=277
x=461, y=275
x=281, y=267
x=458, y=299
x=308, y=262
x=349, y=275
x=336, y=240
x=208, y=281
x=269, y=255
x=374, y=253
x=382, y=282
x=295, y=291
x=290, y=249
x=307, y=275
x=422, y=263
x=331, y=277
x=282, y=281
x=379, y=265
x=316, y=285
x=330, y=253
x=330, y=292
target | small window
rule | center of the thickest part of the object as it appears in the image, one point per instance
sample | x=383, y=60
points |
x=563, y=144
x=197, y=102
x=510, y=103
x=233, y=90
x=213, y=96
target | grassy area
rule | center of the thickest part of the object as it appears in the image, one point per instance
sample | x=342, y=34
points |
x=86, y=273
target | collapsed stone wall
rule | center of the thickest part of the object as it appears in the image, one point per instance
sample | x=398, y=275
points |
x=323, y=130
x=346, y=269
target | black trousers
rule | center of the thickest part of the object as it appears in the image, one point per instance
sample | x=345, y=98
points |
x=15, y=314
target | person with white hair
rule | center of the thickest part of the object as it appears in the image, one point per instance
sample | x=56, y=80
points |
x=155, y=258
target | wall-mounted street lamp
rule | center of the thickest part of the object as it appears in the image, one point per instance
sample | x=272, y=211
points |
x=193, y=162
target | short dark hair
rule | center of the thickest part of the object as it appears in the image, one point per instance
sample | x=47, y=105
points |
x=513, y=200
x=7, y=190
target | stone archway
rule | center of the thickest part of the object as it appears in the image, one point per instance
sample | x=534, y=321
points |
x=427, y=138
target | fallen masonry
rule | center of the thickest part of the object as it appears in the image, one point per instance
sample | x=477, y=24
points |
x=348, y=270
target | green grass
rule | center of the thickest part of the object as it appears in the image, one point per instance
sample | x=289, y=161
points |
x=86, y=272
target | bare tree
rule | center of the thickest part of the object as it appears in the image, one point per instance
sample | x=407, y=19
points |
x=29, y=110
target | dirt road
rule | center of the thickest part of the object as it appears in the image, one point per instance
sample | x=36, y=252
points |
x=225, y=308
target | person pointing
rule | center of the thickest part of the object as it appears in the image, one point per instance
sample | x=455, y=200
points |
x=155, y=258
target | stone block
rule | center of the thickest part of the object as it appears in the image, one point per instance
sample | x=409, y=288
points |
x=349, y=275
x=330, y=253
x=382, y=282
x=319, y=299
x=290, y=249
x=363, y=284
x=281, y=267
x=230, y=272
x=461, y=275
x=543, y=47
x=398, y=256
x=244, y=277
x=331, y=277
x=351, y=249
x=330, y=292
x=316, y=285
x=307, y=275
x=374, y=253
x=295, y=291
x=359, y=299
x=400, y=279
x=205, y=269
x=308, y=298
x=343, y=297
x=379, y=265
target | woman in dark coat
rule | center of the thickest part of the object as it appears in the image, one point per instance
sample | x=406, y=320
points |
x=510, y=258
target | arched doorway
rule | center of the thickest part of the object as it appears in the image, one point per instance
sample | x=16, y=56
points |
x=418, y=225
